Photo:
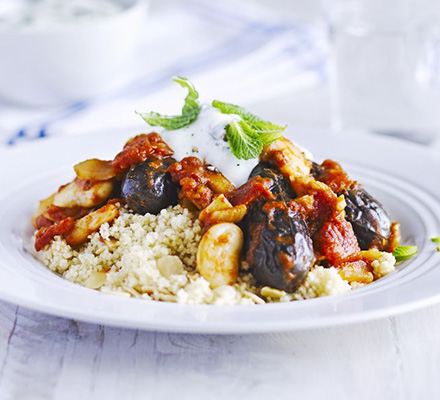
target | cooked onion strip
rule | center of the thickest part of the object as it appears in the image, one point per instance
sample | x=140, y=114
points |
x=95, y=170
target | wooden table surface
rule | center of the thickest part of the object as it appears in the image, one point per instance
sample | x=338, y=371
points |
x=45, y=357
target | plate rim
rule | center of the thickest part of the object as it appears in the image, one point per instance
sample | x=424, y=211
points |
x=192, y=327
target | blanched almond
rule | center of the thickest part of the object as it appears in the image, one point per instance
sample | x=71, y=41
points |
x=267, y=291
x=221, y=210
x=96, y=280
x=218, y=254
x=170, y=265
x=219, y=203
x=234, y=214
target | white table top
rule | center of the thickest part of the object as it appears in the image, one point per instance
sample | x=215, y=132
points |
x=44, y=357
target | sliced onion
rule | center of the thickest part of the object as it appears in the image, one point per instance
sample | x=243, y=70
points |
x=95, y=170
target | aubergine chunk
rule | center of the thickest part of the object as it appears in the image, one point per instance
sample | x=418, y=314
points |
x=317, y=171
x=371, y=223
x=148, y=187
x=280, y=187
x=278, y=247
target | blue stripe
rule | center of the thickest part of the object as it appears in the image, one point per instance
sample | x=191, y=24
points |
x=20, y=134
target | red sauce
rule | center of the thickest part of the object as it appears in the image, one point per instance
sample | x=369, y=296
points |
x=45, y=235
x=41, y=221
x=56, y=214
x=139, y=149
x=254, y=189
x=199, y=184
x=332, y=174
x=336, y=241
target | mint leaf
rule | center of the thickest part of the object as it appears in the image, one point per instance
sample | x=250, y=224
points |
x=243, y=140
x=249, y=134
x=190, y=110
x=229, y=108
x=403, y=253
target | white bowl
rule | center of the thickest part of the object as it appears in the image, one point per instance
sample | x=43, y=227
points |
x=71, y=62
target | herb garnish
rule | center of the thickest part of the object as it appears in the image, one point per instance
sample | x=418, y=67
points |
x=435, y=239
x=403, y=253
x=246, y=134
x=190, y=110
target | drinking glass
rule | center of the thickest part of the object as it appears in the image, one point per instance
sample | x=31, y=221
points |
x=385, y=66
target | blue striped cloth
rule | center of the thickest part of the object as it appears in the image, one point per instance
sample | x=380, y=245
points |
x=230, y=51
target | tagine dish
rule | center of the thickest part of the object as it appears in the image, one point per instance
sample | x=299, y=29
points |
x=215, y=206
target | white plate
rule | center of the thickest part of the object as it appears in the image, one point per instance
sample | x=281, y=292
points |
x=404, y=177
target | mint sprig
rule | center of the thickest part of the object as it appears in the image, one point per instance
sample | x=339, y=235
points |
x=190, y=110
x=248, y=134
x=403, y=253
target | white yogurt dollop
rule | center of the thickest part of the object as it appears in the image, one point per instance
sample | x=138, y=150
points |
x=205, y=139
